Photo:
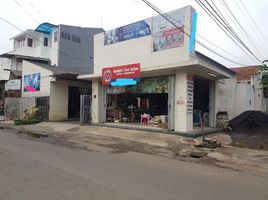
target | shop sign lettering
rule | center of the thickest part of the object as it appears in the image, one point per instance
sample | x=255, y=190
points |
x=110, y=74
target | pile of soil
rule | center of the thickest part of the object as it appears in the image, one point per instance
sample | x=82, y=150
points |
x=250, y=130
x=250, y=122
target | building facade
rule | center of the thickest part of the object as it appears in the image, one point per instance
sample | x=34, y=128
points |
x=38, y=53
x=148, y=73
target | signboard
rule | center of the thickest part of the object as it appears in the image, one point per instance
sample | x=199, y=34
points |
x=32, y=82
x=190, y=94
x=125, y=73
x=164, y=34
x=131, y=31
x=13, y=84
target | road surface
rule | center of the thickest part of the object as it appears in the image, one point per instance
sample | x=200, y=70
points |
x=32, y=169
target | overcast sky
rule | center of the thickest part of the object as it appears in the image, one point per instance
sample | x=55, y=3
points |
x=110, y=14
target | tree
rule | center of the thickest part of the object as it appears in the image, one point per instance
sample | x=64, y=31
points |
x=263, y=74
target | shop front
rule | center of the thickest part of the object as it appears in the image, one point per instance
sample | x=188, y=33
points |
x=144, y=104
x=135, y=100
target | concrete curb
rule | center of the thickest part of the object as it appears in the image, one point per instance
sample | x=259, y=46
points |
x=188, y=134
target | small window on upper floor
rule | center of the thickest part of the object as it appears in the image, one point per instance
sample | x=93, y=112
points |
x=76, y=38
x=30, y=42
x=65, y=35
x=55, y=36
x=45, y=41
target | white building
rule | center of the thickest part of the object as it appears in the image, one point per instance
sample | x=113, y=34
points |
x=174, y=83
x=39, y=53
x=248, y=90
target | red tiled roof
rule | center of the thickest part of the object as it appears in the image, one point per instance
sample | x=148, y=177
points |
x=245, y=73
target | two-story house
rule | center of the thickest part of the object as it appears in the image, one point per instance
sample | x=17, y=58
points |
x=49, y=48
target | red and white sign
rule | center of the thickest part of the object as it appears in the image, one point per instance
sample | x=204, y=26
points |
x=124, y=71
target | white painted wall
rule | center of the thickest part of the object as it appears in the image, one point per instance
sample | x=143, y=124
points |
x=95, y=105
x=4, y=64
x=183, y=120
x=225, y=96
x=38, y=49
x=29, y=68
x=139, y=51
x=58, y=108
x=54, y=45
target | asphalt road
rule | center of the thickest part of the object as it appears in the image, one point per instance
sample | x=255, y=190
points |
x=35, y=170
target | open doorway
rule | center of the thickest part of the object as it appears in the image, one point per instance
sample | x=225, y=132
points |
x=201, y=101
x=74, y=103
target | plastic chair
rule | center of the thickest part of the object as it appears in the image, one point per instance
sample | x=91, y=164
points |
x=145, y=119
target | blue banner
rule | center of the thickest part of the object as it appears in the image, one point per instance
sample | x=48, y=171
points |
x=131, y=31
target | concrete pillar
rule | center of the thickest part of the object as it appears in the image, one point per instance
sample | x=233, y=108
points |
x=212, y=103
x=183, y=118
x=95, y=105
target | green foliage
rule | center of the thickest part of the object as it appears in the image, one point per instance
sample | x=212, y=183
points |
x=263, y=72
x=31, y=116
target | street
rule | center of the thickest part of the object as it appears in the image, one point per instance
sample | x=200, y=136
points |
x=32, y=169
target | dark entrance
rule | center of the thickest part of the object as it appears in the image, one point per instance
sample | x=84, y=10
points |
x=201, y=101
x=74, y=103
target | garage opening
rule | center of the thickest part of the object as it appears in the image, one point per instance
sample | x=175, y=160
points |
x=74, y=103
x=201, y=101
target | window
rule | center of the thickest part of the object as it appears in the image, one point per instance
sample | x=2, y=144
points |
x=30, y=42
x=65, y=35
x=76, y=38
x=45, y=41
x=55, y=36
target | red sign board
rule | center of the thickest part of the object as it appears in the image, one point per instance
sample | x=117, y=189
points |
x=125, y=71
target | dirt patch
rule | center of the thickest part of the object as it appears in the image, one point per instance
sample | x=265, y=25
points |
x=250, y=130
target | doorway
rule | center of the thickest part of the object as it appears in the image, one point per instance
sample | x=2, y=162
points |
x=74, y=103
x=201, y=101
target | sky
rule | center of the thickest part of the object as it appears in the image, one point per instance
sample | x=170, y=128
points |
x=110, y=14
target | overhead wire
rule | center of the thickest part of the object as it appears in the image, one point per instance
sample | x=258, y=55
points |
x=222, y=25
x=240, y=28
x=226, y=32
x=169, y=19
x=260, y=33
x=28, y=13
x=199, y=36
x=36, y=10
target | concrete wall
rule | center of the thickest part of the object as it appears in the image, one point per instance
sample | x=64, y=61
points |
x=4, y=64
x=225, y=96
x=15, y=107
x=139, y=51
x=78, y=56
x=55, y=45
x=59, y=98
x=249, y=96
x=58, y=108
x=183, y=120
x=46, y=78
x=38, y=49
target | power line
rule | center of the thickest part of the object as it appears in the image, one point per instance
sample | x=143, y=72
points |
x=169, y=19
x=241, y=29
x=222, y=25
x=255, y=24
x=29, y=14
x=41, y=15
x=240, y=26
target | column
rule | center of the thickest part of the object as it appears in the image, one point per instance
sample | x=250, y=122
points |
x=183, y=111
